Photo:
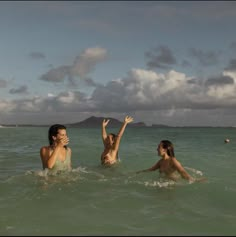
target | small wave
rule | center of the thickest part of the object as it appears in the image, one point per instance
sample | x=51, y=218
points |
x=78, y=173
x=80, y=169
x=41, y=173
x=160, y=183
x=194, y=171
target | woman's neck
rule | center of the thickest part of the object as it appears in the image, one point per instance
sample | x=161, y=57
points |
x=165, y=157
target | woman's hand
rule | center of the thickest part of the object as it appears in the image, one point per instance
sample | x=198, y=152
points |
x=105, y=122
x=128, y=119
x=64, y=141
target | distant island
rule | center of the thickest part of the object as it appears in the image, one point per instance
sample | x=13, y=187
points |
x=91, y=122
x=95, y=122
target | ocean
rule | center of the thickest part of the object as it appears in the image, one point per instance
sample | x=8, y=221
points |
x=94, y=200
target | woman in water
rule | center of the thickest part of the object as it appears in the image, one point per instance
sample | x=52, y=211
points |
x=56, y=156
x=111, y=142
x=168, y=164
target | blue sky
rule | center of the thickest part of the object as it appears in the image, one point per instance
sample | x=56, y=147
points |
x=162, y=62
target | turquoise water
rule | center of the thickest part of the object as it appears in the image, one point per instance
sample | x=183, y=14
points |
x=93, y=200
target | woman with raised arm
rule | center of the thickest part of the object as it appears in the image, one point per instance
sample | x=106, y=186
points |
x=111, y=142
x=57, y=155
x=168, y=165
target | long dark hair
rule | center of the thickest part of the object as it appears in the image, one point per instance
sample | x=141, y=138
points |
x=169, y=147
x=53, y=131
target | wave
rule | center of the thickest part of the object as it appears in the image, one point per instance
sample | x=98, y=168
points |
x=88, y=175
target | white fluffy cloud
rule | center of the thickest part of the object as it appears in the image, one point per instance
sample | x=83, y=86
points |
x=139, y=92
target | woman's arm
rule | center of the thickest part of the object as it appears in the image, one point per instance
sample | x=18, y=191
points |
x=104, y=133
x=44, y=156
x=154, y=167
x=50, y=159
x=127, y=120
x=70, y=154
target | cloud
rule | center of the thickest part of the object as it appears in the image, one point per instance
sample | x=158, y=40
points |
x=20, y=90
x=86, y=62
x=161, y=57
x=37, y=55
x=140, y=91
x=231, y=66
x=56, y=75
x=83, y=64
x=3, y=83
x=144, y=90
x=220, y=81
x=186, y=63
x=204, y=58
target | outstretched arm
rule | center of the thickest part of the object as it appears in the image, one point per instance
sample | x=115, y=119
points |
x=127, y=120
x=104, y=133
x=154, y=167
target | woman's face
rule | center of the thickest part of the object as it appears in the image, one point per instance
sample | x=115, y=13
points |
x=110, y=139
x=61, y=134
x=160, y=150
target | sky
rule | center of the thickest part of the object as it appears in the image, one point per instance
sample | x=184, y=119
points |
x=161, y=62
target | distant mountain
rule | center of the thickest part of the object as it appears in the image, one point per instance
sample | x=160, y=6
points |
x=96, y=122
x=160, y=126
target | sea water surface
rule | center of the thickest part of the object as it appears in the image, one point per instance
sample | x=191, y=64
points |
x=93, y=200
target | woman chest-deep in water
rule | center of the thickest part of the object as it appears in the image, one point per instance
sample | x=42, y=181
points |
x=168, y=169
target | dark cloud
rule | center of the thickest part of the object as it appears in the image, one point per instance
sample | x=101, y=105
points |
x=195, y=81
x=90, y=82
x=37, y=55
x=186, y=63
x=204, y=58
x=219, y=81
x=232, y=65
x=21, y=90
x=161, y=57
x=56, y=74
x=81, y=67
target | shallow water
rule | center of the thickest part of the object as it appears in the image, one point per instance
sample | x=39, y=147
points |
x=93, y=200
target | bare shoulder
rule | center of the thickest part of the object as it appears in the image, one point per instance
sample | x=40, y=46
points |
x=44, y=151
x=44, y=148
x=176, y=162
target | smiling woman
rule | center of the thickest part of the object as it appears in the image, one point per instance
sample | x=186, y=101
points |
x=168, y=165
x=56, y=156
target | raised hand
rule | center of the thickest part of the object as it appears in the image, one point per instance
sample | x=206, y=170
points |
x=105, y=122
x=128, y=119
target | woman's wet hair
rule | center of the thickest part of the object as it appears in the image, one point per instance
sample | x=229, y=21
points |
x=169, y=147
x=113, y=135
x=53, y=131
